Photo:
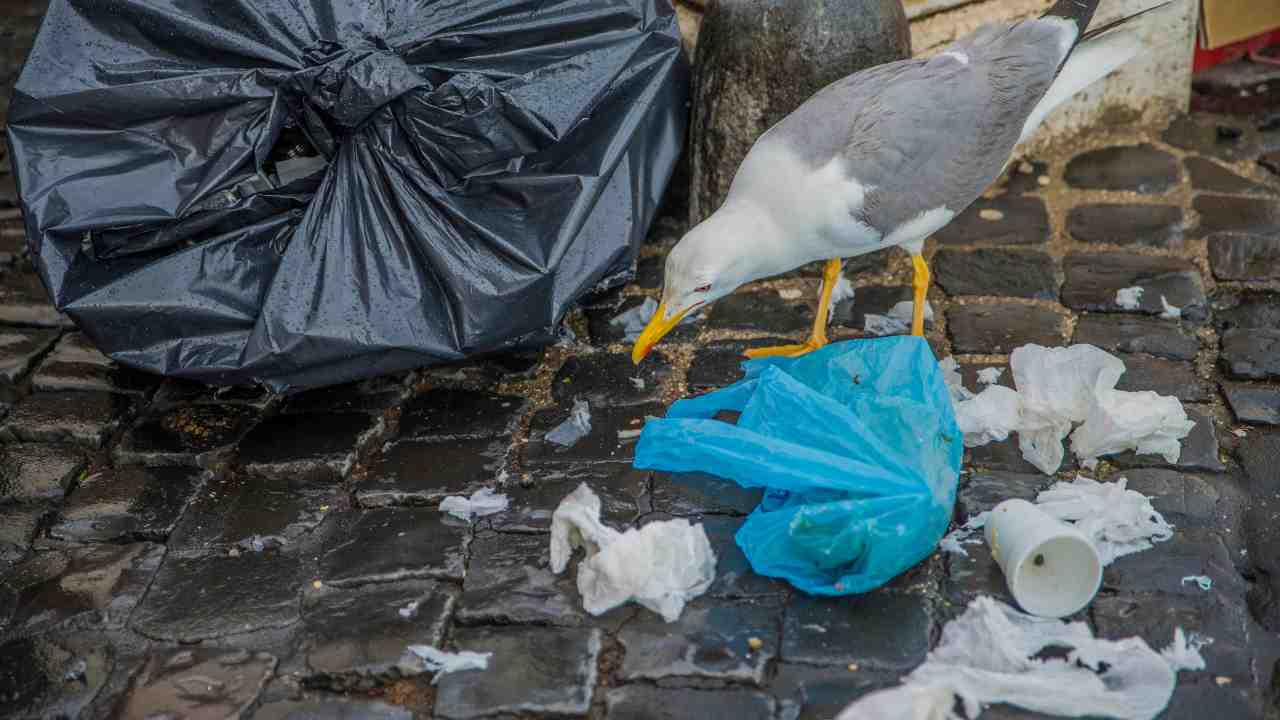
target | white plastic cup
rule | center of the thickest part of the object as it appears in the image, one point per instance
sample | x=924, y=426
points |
x=1051, y=568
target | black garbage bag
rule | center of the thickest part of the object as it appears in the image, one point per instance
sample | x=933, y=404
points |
x=307, y=192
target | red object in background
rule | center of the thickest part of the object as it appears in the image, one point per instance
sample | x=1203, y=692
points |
x=1205, y=59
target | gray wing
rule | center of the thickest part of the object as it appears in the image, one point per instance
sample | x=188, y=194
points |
x=923, y=134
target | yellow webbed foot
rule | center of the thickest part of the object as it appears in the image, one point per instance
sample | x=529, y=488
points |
x=786, y=350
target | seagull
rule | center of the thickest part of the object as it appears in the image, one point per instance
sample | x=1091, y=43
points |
x=886, y=157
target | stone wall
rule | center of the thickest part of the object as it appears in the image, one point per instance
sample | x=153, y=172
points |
x=1147, y=91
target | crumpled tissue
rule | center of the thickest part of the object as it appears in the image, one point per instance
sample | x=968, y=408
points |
x=661, y=566
x=988, y=655
x=1058, y=388
x=435, y=660
x=1118, y=520
x=482, y=502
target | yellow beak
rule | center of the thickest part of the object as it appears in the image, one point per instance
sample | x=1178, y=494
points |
x=653, y=332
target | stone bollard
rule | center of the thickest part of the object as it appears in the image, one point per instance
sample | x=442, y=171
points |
x=757, y=60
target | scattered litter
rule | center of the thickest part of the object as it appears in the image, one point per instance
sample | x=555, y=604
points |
x=1204, y=581
x=434, y=660
x=1118, y=520
x=1184, y=653
x=896, y=322
x=990, y=214
x=1058, y=387
x=661, y=566
x=1239, y=432
x=317, y=584
x=1043, y=181
x=260, y=543
x=955, y=541
x=629, y=434
x=567, y=337
x=481, y=503
x=843, y=290
x=755, y=644
x=814, y=627
x=859, y=477
x=1026, y=168
x=790, y=293
x=633, y=321
x=1222, y=680
x=990, y=655
x=1129, y=298
x=990, y=375
x=638, y=383
x=410, y=611
x=1170, y=312
x=951, y=376
x=853, y=667
x=577, y=426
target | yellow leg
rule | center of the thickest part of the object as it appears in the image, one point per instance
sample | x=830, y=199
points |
x=830, y=276
x=921, y=286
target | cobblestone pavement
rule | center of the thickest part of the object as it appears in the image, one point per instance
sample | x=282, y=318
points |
x=210, y=553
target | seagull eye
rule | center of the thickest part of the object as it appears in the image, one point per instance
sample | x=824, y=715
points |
x=704, y=288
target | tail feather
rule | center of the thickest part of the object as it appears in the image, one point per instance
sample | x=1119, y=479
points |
x=1096, y=54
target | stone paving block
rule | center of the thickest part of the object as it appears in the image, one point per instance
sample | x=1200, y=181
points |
x=734, y=576
x=18, y=525
x=117, y=504
x=547, y=671
x=364, y=546
x=1130, y=334
x=77, y=364
x=879, y=630
x=79, y=418
x=871, y=299
x=510, y=582
x=613, y=436
x=454, y=414
x=1137, y=168
x=77, y=675
x=1253, y=404
x=33, y=473
x=184, y=435
x=1161, y=568
x=368, y=396
x=1092, y=280
x=710, y=641
x=603, y=331
x=996, y=271
x=1001, y=327
x=1259, y=454
x=821, y=693
x=1199, y=448
x=609, y=379
x=19, y=350
x=412, y=472
x=762, y=311
x=203, y=597
x=1021, y=179
x=693, y=494
x=356, y=639
x=196, y=682
x=24, y=301
x=249, y=512
x=623, y=493
x=1244, y=257
x=972, y=575
x=1209, y=176
x=1154, y=616
x=1021, y=220
x=981, y=491
x=1228, y=213
x=1209, y=700
x=645, y=702
x=1248, y=310
x=288, y=443
x=1184, y=499
x=649, y=272
x=326, y=709
x=1217, y=136
x=1158, y=226
x=719, y=364
x=94, y=586
x=1166, y=377
x=1251, y=353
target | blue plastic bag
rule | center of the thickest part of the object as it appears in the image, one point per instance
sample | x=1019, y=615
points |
x=856, y=446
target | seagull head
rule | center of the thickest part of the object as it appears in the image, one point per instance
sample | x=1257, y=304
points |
x=703, y=267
